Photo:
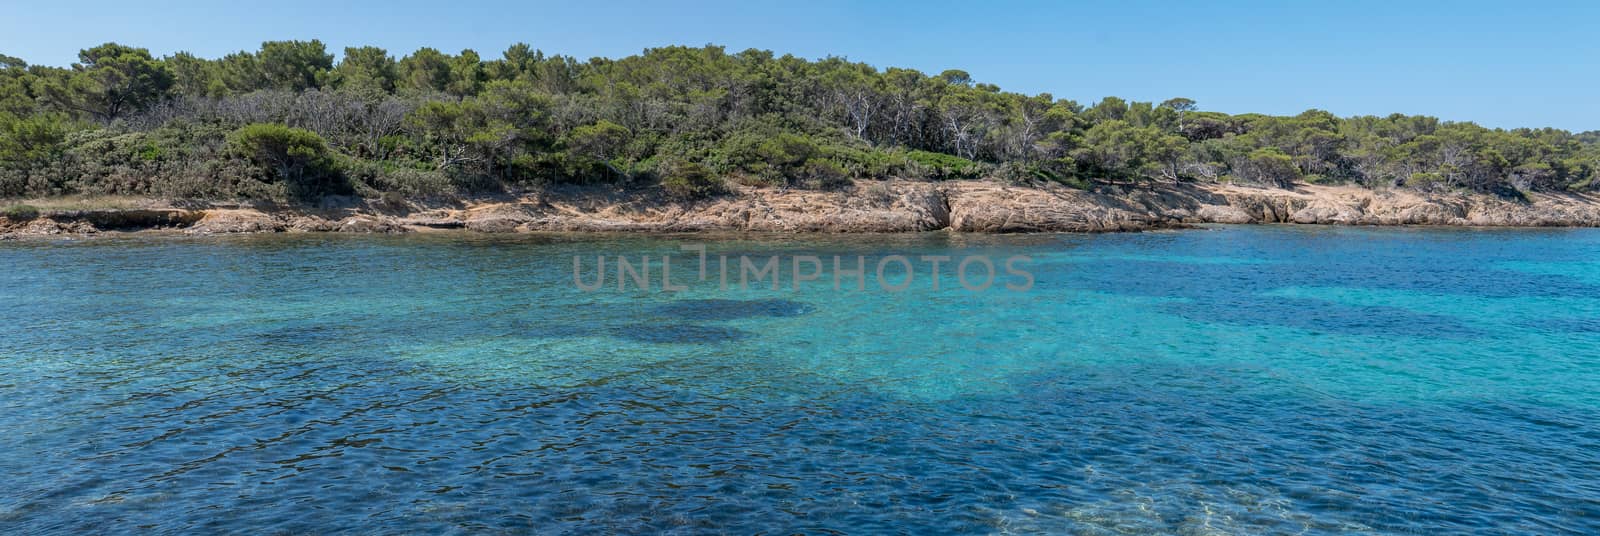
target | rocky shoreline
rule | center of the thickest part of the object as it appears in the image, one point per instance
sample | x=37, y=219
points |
x=886, y=207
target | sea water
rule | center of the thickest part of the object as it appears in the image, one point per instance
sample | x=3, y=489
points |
x=1211, y=381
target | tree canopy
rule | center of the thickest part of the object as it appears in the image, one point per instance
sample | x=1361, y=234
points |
x=436, y=123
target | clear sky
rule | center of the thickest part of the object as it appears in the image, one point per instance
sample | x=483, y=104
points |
x=1498, y=63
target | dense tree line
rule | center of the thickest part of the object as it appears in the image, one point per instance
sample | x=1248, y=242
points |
x=289, y=121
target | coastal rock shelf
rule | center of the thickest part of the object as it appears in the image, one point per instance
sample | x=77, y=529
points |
x=891, y=207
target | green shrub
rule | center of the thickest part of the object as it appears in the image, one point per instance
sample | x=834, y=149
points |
x=868, y=162
x=20, y=212
x=1075, y=182
x=689, y=180
x=294, y=156
x=757, y=181
x=773, y=157
x=393, y=200
x=603, y=140
x=762, y=154
x=177, y=161
x=1059, y=172
x=1425, y=181
x=31, y=139
x=29, y=148
x=13, y=182
x=373, y=179
x=820, y=174
x=940, y=166
x=1269, y=166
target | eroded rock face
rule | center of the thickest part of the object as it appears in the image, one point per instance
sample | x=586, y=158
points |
x=899, y=207
x=498, y=218
x=892, y=208
x=434, y=220
x=494, y=225
x=52, y=227
x=1348, y=205
x=129, y=219
x=1266, y=207
x=1421, y=213
x=1320, y=211
x=877, y=207
x=236, y=221
x=992, y=208
x=1221, y=214
x=370, y=225
x=310, y=224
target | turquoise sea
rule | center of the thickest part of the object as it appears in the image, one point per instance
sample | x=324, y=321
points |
x=1227, y=380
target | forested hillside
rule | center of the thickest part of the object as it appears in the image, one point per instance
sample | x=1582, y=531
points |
x=290, y=122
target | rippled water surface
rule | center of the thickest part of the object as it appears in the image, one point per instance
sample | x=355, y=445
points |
x=1227, y=380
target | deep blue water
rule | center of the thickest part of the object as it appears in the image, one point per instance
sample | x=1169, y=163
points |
x=1229, y=380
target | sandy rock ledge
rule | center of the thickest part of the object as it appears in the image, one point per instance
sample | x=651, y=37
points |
x=876, y=207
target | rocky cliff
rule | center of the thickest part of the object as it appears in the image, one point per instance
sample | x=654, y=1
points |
x=964, y=206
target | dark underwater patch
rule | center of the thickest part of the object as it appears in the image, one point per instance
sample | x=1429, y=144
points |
x=1220, y=281
x=553, y=330
x=646, y=333
x=673, y=322
x=678, y=334
x=308, y=335
x=1319, y=315
x=715, y=309
x=1566, y=325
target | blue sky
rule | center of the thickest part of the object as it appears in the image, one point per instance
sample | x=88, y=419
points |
x=1501, y=64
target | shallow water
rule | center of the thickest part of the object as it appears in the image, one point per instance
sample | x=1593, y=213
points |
x=1227, y=380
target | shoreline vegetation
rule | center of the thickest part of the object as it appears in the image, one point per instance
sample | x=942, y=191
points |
x=287, y=139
